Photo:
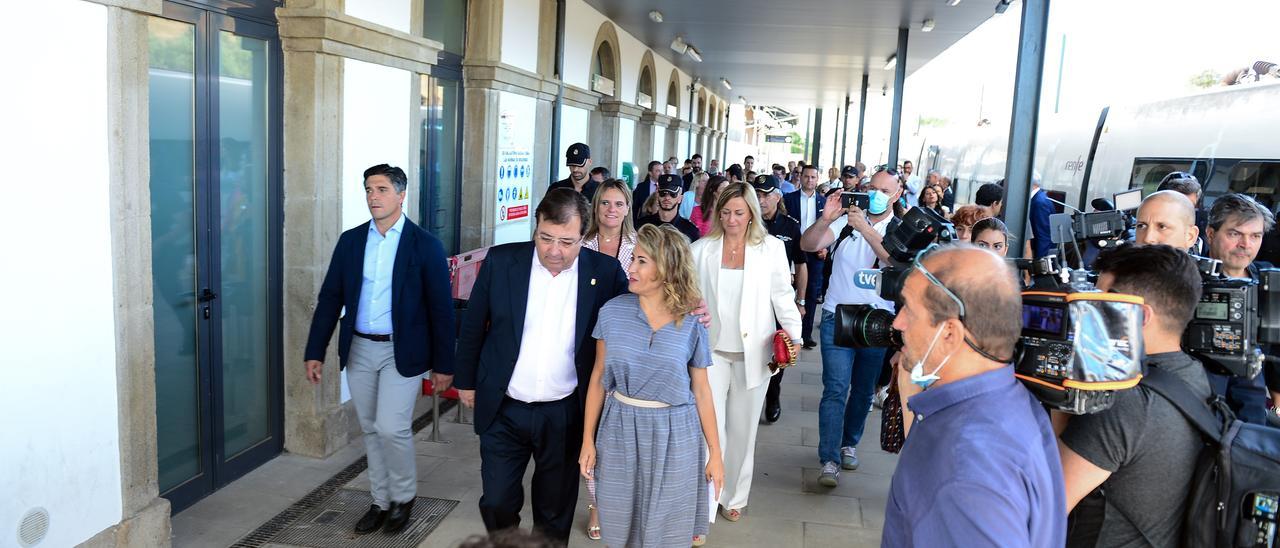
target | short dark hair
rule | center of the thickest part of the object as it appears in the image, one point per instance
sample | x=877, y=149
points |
x=697, y=156
x=1242, y=207
x=397, y=176
x=562, y=204
x=652, y=164
x=1164, y=276
x=990, y=223
x=907, y=163
x=1180, y=182
x=600, y=170
x=809, y=166
x=988, y=194
x=749, y=157
x=778, y=167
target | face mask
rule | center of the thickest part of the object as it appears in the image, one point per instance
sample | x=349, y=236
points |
x=917, y=371
x=879, y=202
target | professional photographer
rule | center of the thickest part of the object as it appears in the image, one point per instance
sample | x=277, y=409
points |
x=1234, y=234
x=1140, y=450
x=849, y=375
x=982, y=466
x=1166, y=217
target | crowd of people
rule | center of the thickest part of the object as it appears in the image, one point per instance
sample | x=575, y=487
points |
x=631, y=345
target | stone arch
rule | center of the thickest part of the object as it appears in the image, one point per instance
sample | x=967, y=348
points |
x=673, y=91
x=647, y=70
x=701, y=117
x=606, y=56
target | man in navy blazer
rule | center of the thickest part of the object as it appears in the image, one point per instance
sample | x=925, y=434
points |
x=393, y=279
x=524, y=361
x=1038, y=213
x=805, y=205
x=644, y=189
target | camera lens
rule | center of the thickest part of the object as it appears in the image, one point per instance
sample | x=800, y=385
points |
x=866, y=327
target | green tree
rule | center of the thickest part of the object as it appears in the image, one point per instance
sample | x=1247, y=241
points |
x=797, y=143
x=1206, y=79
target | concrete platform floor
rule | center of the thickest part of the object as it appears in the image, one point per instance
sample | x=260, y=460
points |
x=788, y=508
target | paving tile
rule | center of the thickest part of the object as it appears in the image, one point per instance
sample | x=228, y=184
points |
x=867, y=487
x=821, y=535
x=812, y=379
x=809, y=436
x=759, y=527
x=779, y=433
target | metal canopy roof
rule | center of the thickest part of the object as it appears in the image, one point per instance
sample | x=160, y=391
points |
x=801, y=53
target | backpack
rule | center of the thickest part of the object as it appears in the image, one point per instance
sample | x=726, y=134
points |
x=1235, y=491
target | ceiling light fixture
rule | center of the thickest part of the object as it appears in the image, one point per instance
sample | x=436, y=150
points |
x=892, y=62
x=726, y=83
x=953, y=2
x=679, y=45
x=655, y=16
x=743, y=99
x=693, y=54
x=927, y=26
x=1002, y=5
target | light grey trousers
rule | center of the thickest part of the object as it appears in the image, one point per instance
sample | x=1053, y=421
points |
x=384, y=404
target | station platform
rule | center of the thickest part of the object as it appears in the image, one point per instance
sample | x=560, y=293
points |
x=284, y=500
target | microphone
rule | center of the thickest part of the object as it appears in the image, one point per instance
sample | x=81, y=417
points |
x=1102, y=204
x=867, y=278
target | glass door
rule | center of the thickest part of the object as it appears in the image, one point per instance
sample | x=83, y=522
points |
x=214, y=111
x=441, y=156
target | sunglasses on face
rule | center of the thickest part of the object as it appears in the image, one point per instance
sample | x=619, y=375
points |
x=667, y=194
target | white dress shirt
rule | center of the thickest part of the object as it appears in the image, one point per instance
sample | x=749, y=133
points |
x=545, y=369
x=373, y=314
x=808, y=210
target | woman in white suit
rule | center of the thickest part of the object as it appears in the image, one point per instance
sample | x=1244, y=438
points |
x=745, y=277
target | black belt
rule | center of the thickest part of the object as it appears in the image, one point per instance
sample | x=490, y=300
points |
x=374, y=338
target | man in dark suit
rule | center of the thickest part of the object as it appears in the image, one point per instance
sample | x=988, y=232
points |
x=643, y=190
x=393, y=279
x=805, y=205
x=1038, y=213
x=524, y=361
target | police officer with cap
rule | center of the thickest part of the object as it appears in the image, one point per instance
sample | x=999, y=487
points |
x=578, y=158
x=670, y=193
x=787, y=229
x=849, y=178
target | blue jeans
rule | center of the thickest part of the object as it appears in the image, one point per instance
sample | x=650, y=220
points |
x=848, y=383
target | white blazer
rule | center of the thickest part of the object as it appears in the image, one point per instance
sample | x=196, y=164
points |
x=766, y=294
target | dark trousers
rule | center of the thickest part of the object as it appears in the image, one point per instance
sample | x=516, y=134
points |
x=551, y=433
x=812, y=291
x=1246, y=397
x=772, y=393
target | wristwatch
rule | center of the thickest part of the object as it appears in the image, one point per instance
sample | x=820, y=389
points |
x=800, y=302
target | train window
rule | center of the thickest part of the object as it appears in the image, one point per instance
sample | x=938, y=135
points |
x=1148, y=172
x=1257, y=179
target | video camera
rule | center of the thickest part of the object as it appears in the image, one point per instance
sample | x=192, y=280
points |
x=1110, y=224
x=1234, y=318
x=865, y=326
x=1078, y=345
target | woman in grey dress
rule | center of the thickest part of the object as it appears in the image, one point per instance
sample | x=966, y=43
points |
x=647, y=456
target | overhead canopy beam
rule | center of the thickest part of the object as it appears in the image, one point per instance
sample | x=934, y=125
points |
x=1025, y=119
x=862, y=117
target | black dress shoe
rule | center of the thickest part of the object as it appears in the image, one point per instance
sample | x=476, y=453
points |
x=772, y=411
x=371, y=521
x=810, y=345
x=398, y=517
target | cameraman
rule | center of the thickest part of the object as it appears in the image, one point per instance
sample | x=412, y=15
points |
x=849, y=374
x=1166, y=217
x=1141, y=450
x=1234, y=234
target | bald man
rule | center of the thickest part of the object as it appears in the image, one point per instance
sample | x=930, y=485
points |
x=983, y=461
x=1167, y=217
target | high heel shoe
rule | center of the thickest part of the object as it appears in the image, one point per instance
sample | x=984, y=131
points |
x=593, y=531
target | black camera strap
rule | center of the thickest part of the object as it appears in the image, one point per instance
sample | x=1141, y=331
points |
x=1197, y=411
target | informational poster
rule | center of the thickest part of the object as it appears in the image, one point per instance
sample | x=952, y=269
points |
x=512, y=209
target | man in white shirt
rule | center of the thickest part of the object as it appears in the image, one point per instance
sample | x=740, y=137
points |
x=849, y=374
x=914, y=184
x=805, y=204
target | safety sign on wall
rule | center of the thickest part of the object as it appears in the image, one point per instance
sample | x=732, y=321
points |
x=514, y=182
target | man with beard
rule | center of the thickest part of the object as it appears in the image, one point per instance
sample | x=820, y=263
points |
x=578, y=158
x=670, y=192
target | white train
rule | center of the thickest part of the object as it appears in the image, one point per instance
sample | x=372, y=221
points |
x=1228, y=137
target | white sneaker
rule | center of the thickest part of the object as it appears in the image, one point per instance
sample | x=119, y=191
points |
x=830, y=476
x=849, y=458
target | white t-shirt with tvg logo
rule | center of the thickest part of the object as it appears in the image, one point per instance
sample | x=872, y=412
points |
x=854, y=254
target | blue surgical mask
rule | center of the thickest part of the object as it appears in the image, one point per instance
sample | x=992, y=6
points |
x=879, y=202
x=917, y=371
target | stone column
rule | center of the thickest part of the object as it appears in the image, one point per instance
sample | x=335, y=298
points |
x=674, y=129
x=605, y=128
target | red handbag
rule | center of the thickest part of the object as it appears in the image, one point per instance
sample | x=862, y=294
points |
x=784, y=351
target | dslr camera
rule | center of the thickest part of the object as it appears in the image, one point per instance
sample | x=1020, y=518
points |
x=1234, y=318
x=865, y=326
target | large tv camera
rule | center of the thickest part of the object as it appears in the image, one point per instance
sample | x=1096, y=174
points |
x=1110, y=224
x=865, y=326
x=1079, y=345
x=1234, y=318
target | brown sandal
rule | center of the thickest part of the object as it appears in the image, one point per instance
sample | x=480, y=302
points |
x=593, y=531
x=731, y=515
